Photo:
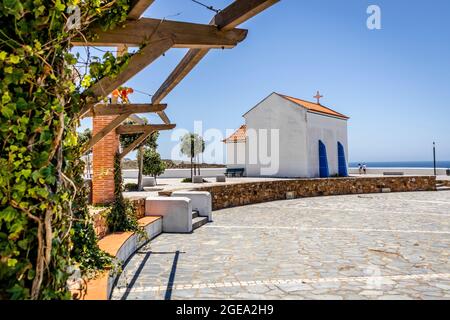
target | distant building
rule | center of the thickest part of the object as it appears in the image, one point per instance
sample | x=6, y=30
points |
x=309, y=140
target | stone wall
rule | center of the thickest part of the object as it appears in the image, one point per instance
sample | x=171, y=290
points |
x=232, y=195
x=139, y=206
x=444, y=182
x=100, y=225
x=99, y=216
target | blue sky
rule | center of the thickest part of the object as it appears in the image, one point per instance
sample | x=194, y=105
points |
x=394, y=83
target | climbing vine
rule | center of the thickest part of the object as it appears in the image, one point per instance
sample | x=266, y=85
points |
x=42, y=202
x=122, y=216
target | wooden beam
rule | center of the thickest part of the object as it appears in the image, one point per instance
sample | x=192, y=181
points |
x=146, y=130
x=240, y=11
x=131, y=129
x=118, y=109
x=236, y=13
x=85, y=110
x=138, y=7
x=164, y=117
x=136, y=63
x=189, y=61
x=102, y=133
x=183, y=34
x=136, y=142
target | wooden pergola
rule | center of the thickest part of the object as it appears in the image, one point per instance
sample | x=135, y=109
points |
x=155, y=37
x=158, y=37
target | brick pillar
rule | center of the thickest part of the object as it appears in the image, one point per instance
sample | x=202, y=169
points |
x=103, y=162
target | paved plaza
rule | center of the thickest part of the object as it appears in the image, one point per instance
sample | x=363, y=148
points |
x=378, y=246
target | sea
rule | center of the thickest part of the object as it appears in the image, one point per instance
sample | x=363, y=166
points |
x=403, y=164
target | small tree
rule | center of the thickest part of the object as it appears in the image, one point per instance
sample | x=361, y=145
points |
x=153, y=165
x=84, y=136
x=150, y=143
x=192, y=145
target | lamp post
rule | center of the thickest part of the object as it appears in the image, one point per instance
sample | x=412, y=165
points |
x=434, y=158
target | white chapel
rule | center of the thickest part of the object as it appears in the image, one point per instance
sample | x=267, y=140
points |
x=289, y=137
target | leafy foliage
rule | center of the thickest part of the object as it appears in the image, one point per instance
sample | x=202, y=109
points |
x=149, y=143
x=189, y=180
x=108, y=65
x=122, y=216
x=86, y=251
x=85, y=136
x=128, y=139
x=153, y=165
x=42, y=203
x=131, y=187
x=192, y=145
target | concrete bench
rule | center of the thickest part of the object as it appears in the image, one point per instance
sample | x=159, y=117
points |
x=393, y=173
x=175, y=211
x=200, y=200
x=238, y=172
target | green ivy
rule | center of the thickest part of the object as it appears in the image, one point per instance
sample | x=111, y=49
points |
x=86, y=251
x=122, y=216
x=109, y=65
x=44, y=224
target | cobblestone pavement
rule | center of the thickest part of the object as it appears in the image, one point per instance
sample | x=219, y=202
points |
x=382, y=246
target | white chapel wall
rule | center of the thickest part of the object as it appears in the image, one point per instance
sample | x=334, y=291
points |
x=235, y=155
x=330, y=130
x=278, y=113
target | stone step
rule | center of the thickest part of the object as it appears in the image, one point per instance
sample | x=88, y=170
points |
x=443, y=188
x=198, y=222
x=194, y=214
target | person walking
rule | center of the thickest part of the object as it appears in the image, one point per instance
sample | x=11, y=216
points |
x=364, y=167
x=360, y=168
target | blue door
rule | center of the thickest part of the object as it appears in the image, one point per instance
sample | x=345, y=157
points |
x=323, y=161
x=342, y=163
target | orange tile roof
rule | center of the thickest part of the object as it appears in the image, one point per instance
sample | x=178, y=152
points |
x=239, y=136
x=315, y=107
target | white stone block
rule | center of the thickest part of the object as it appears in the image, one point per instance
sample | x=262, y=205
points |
x=201, y=201
x=148, y=182
x=197, y=179
x=385, y=190
x=176, y=213
x=221, y=178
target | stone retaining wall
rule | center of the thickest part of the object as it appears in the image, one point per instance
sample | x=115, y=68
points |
x=139, y=206
x=232, y=195
x=444, y=182
x=99, y=216
x=100, y=225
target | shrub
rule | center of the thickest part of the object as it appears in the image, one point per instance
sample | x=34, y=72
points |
x=131, y=187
